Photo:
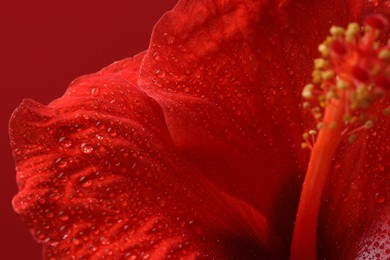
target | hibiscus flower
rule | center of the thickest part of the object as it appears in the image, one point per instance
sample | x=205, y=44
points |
x=192, y=149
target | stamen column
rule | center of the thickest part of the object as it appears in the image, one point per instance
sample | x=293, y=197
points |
x=305, y=232
x=352, y=73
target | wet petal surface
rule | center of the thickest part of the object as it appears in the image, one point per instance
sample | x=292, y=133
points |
x=99, y=176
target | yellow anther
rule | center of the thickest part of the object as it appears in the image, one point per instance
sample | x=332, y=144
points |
x=316, y=76
x=305, y=135
x=332, y=125
x=320, y=63
x=307, y=91
x=317, y=116
x=326, y=75
x=351, y=32
x=312, y=132
x=324, y=50
x=320, y=125
x=386, y=111
x=384, y=55
x=304, y=145
x=337, y=31
x=306, y=104
x=361, y=98
x=341, y=84
x=347, y=119
x=352, y=138
x=369, y=124
x=376, y=45
x=316, y=110
x=331, y=94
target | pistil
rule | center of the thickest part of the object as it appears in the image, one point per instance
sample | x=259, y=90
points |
x=353, y=72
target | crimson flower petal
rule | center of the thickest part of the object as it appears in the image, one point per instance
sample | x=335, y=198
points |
x=100, y=173
x=228, y=75
x=355, y=212
x=99, y=176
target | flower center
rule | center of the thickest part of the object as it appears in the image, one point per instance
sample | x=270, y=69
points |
x=353, y=72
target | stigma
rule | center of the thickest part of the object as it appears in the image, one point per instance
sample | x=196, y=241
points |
x=352, y=72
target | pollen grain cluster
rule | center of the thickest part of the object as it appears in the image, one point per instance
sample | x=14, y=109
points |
x=353, y=71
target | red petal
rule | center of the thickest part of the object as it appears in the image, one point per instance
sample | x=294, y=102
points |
x=228, y=75
x=375, y=242
x=99, y=177
x=355, y=211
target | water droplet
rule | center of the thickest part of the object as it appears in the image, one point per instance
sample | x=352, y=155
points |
x=162, y=203
x=375, y=3
x=94, y=92
x=99, y=137
x=380, y=197
x=61, y=163
x=170, y=39
x=156, y=56
x=104, y=241
x=86, y=148
x=111, y=132
x=87, y=184
x=62, y=216
x=65, y=142
x=160, y=74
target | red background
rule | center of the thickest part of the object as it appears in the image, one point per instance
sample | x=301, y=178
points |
x=44, y=45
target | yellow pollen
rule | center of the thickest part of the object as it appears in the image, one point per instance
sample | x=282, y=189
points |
x=352, y=31
x=320, y=125
x=337, y=31
x=320, y=63
x=324, y=50
x=325, y=75
x=369, y=124
x=353, y=70
x=332, y=125
x=384, y=55
x=307, y=91
x=386, y=111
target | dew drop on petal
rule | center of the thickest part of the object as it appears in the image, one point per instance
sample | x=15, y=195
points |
x=156, y=56
x=111, y=132
x=160, y=74
x=62, y=216
x=375, y=3
x=87, y=184
x=61, y=162
x=86, y=148
x=65, y=142
x=104, y=241
x=94, y=92
x=380, y=197
x=170, y=39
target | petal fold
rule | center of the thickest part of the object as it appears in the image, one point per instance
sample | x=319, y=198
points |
x=100, y=177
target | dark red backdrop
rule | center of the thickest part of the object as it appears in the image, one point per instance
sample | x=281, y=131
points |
x=44, y=45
